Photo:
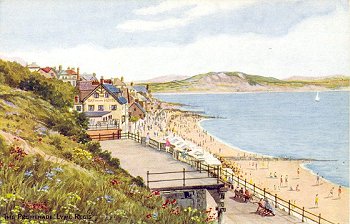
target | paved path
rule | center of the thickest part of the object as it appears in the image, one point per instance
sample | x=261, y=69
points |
x=137, y=159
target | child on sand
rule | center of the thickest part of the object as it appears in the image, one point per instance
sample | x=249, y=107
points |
x=316, y=201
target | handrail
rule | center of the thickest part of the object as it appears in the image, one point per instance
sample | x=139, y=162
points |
x=222, y=175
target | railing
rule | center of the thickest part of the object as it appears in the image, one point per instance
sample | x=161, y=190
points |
x=183, y=178
x=222, y=175
x=103, y=127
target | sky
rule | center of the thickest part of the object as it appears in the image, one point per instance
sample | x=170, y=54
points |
x=144, y=39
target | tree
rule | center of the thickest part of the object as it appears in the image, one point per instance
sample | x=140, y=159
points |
x=134, y=120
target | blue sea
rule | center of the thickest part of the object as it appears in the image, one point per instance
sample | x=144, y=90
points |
x=289, y=125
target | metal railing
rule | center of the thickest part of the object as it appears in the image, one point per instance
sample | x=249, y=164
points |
x=183, y=178
x=103, y=127
x=224, y=176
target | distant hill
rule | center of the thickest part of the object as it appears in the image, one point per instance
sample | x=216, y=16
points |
x=241, y=82
x=164, y=78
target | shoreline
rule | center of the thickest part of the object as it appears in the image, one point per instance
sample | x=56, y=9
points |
x=187, y=125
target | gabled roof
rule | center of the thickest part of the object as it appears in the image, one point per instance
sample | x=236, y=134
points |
x=139, y=106
x=71, y=72
x=33, y=65
x=46, y=69
x=88, y=77
x=118, y=82
x=67, y=72
x=140, y=89
x=112, y=90
x=96, y=113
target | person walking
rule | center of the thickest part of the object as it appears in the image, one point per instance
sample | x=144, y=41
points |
x=339, y=192
x=281, y=181
x=298, y=172
x=318, y=179
x=316, y=201
x=286, y=180
x=330, y=195
x=147, y=138
x=167, y=145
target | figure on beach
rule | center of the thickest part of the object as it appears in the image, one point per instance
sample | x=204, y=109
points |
x=286, y=180
x=281, y=181
x=318, y=179
x=298, y=172
x=330, y=195
x=316, y=201
x=339, y=192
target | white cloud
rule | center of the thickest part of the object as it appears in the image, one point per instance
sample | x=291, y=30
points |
x=198, y=10
x=317, y=46
x=142, y=25
x=163, y=7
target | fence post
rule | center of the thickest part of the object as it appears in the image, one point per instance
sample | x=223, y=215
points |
x=218, y=176
x=264, y=192
x=288, y=207
x=99, y=136
x=238, y=181
x=245, y=183
x=232, y=179
x=147, y=179
x=183, y=177
x=113, y=135
x=208, y=171
x=107, y=126
x=128, y=135
x=275, y=200
x=158, y=146
x=138, y=137
x=302, y=216
x=254, y=188
x=200, y=166
x=319, y=218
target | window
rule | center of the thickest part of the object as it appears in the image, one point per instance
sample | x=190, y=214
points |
x=100, y=108
x=113, y=107
x=91, y=107
x=106, y=95
x=78, y=108
x=96, y=95
x=134, y=109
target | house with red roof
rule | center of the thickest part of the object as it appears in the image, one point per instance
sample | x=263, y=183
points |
x=48, y=72
x=69, y=75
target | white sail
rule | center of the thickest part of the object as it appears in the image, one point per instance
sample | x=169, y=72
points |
x=317, y=98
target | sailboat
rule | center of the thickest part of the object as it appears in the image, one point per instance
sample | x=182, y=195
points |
x=317, y=98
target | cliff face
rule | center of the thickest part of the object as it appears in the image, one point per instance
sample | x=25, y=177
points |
x=241, y=82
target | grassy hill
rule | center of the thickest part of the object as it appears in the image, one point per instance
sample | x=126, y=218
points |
x=48, y=166
x=241, y=82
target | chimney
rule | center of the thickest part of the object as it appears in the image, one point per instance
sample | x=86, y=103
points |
x=78, y=74
x=59, y=68
x=101, y=80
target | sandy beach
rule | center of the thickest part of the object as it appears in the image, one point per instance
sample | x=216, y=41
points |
x=265, y=174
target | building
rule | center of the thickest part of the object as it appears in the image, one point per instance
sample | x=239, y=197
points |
x=69, y=75
x=48, y=72
x=102, y=103
x=33, y=67
x=88, y=77
x=136, y=110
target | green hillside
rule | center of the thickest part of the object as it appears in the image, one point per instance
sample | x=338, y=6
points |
x=48, y=166
x=200, y=82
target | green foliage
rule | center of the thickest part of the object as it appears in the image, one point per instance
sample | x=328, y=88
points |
x=134, y=119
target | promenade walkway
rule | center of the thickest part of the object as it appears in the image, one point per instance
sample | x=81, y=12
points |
x=138, y=159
